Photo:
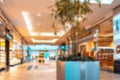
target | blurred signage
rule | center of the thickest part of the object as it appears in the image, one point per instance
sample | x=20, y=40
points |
x=18, y=55
x=9, y=36
x=2, y=43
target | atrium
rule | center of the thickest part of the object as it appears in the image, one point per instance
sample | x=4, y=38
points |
x=59, y=39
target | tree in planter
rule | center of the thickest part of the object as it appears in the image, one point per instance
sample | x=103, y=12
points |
x=71, y=12
x=75, y=31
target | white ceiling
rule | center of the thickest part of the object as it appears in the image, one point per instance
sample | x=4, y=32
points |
x=40, y=17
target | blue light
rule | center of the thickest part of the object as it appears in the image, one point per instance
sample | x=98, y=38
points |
x=43, y=47
x=64, y=47
x=9, y=37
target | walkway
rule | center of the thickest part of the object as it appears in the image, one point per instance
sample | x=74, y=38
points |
x=31, y=71
x=37, y=71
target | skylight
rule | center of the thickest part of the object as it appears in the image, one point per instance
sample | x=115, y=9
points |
x=102, y=1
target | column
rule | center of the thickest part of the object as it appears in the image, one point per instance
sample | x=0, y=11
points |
x=7, y=43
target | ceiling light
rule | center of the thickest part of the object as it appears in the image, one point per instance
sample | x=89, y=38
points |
x=2, y=1
x=15, y=41
x=107, y=35
x=38, y=14
x=33, y=33
x=0, y=22
x=27, y=20
x=1, y=40
x=28, y=23
x=47, y=34
x=29, y=26
x=44, y=41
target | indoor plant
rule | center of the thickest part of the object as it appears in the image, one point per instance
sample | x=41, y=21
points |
x=71, y=12
x=74, y=67
x=78, y=68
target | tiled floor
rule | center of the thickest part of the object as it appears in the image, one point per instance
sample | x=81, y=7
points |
x=109, y=76
x=37, y=71
x=31, y=71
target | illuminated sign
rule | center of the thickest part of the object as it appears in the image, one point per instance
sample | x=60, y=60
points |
x=41, y=47
x=9, y=36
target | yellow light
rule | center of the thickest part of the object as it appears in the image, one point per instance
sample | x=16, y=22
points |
x=28, y=23
x=47, y=34
x=44, y=41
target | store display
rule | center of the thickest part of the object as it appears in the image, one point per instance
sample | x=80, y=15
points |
x=13, y=58
x=2, y=54
x=46, y=58
x=105, y=56
x=2, y=59
x=41, y=58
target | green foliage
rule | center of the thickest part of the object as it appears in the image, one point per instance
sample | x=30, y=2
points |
x=70, y=11
x=67, y=10
x=77, y=58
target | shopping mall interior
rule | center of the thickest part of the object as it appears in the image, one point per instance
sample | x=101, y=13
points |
x=37, y=42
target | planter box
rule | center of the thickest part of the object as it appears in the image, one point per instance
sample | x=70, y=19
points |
x=60, y=70
x=78, y=70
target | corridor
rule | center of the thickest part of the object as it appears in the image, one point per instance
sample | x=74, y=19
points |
x=31, y=71
x=40, y=71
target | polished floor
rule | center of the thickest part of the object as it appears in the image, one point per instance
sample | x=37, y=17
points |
x=39, y=71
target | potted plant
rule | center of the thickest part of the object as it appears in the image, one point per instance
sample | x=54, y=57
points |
x=74, y=67
x=78, y=68
x=71, y=12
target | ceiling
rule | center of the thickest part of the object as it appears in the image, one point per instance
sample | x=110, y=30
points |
x=32, y=18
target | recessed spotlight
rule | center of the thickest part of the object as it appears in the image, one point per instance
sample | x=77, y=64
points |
x=0, y=22
x=38, y=14
x=2, y=1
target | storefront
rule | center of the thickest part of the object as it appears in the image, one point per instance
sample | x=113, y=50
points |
x=17, y=54
x=2, y=54
x=116, y=22
x=98, y=43
x=8, y=50
x=86, y=43
x=39, y=52
x=2, y=45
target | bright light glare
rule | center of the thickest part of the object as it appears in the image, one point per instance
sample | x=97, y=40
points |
x=1, y=40
x=44, y=41
x=47, y=34
x=107, y=35
x=59, y=34
x=2, y=1
x=29, y=26
x=27, y=21
x=102, y=1
x=62, y=32
x=51, y=34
